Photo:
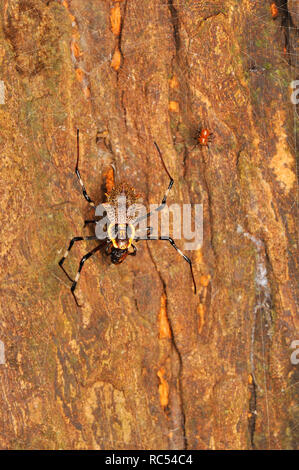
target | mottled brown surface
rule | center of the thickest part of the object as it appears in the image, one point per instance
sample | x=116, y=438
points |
x=145, y=364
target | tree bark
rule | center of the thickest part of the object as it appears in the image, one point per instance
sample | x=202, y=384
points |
x=146, y=364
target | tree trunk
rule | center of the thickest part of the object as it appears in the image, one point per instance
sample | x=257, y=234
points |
x=145, y=363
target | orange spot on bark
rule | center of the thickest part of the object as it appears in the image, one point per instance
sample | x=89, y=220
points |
x=75, y=49
x=109, y=179
x=79, y=74
x=66, y=5
x=205, y=280
x=115, y=19
x=163, y=388
x=199, y=257
x=250, y=379
x=174, y=106
x=164, y=327
x=201, y=320
x=173, y=82
x=116, y=60
x=274, y=10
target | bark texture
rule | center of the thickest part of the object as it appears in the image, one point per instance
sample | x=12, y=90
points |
x=145, y=364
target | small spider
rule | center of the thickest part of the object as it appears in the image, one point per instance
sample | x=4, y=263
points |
x=119, y=242
x=204, y=137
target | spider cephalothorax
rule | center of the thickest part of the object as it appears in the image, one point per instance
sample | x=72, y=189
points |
x=121, y=226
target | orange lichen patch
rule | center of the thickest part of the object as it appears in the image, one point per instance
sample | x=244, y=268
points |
x=66, y=5
x=198, y=256
x=164, y=327
x=201, y=313
x=116, y=60
x=205, y=280
x=109, y=179
x=115, y=19
x=75, y=49
x=173, y=82
x=79, y=74
x=163, y=388
x=274, y=10
x=174, y=106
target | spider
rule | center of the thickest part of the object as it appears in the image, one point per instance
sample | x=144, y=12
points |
x=204, y=137
x=119, y=242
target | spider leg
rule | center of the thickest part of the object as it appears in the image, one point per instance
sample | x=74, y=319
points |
x=171, y=179
x=85, y=257
x=182, y=254
x=86, y=222
x=134, y=252
x=79, y=176
x=108, y=248
x=162, y=205
x=73, y=240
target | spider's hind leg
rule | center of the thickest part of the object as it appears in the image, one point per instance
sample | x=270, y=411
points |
x=85, y=257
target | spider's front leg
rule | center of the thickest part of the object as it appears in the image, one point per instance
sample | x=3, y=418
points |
x=162, y=205
x=170, y=183
x=171, y=241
